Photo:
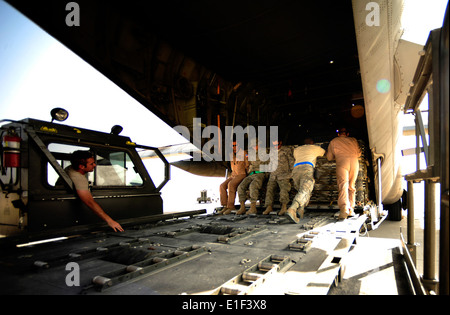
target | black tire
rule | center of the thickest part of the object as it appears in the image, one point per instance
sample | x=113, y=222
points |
x=395, y=211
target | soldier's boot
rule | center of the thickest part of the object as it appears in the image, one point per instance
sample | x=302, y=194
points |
x=227, y=211
x=292, y=214
x=301, y=212
x=241, y=209
x=343, y=214
x=351, y=212
x=268, y=210
x=252, y=208
x=283, y=209
x=221, y=211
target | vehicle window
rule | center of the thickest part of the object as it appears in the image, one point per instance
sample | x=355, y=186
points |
x=114, y=168
x=62, y=154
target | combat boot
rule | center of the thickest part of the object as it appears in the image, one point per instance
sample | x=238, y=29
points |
x=351, y=212
x=292, y=214
x=252, y=208
x=301, y=212
x=268, y=210
x=221, y=211
x=283, y=209
x=241, y=209
x=343, y=214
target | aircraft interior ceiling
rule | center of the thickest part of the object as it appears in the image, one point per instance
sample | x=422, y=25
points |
x=297, y=60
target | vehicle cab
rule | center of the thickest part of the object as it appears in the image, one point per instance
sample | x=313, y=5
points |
x=39, y=196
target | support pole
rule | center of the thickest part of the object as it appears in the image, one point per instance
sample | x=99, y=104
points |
x=380, y=191
x=429, y=263
x=410, y=224
x=444, y=245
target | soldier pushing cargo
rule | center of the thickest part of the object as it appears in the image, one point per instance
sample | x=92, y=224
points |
x=303, y=177
x=253, y=182
x=229, y=187
x=280, y=177
x=346, y=151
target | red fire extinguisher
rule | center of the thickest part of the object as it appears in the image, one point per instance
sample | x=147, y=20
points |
x=11, y=149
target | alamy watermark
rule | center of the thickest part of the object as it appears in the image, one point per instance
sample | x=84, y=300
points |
x=373, y=18
x=73, y=18
x=73, y=277
x=214, y=148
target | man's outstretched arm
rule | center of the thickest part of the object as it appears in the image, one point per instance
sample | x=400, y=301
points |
x=88, y=200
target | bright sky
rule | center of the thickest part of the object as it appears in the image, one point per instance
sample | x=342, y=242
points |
x=420, y=17
x=37, y=73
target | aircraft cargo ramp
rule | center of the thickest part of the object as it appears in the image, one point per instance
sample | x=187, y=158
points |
x=203, y=254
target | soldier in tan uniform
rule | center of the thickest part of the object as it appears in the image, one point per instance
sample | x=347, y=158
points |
x=303, y=177
x=280, y=177
x=346, y=151
x=229, y=187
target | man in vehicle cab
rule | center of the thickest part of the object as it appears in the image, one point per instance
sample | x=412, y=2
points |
x=82, y=162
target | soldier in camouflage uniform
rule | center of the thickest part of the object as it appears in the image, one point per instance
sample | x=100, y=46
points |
x=303, y=177
x=252, y=182
x=280, y=176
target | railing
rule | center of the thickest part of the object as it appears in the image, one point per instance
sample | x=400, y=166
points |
x=432, y=77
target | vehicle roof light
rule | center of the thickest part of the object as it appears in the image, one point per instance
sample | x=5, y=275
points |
x=59, y=114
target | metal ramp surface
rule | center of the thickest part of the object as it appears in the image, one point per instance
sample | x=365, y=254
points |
x=205, y=254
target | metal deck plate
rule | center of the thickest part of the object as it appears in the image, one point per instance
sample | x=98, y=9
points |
x=210, y=264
